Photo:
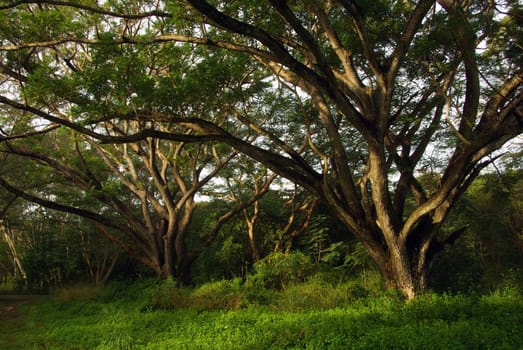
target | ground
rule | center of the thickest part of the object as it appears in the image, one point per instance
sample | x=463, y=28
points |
x=9, y=312
x=9, y=305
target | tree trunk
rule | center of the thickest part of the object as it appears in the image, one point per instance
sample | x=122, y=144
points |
x=398, y=275
x=252, y=242
x=17, y=263
x=399, y=270
x=183, y=261
x=184, y=265
x=169, y=268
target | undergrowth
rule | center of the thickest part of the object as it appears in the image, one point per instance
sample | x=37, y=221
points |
x=236, y=314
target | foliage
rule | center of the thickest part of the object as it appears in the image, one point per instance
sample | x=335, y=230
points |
x=116, y=320
x=386, y=111
x=277, y=270
x=488, y=256
x=227, y=253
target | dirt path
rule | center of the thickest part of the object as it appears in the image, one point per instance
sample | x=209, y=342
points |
x=9, y=304
x=13, y=326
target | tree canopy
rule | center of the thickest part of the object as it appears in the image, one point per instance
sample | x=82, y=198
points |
x=359, y=102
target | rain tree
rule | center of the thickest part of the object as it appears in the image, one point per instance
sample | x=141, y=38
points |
x=140, y=194
x=391, y=92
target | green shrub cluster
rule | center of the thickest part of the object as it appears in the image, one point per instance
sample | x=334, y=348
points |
x=279, y=282
x=278, y=270
x=282, y=282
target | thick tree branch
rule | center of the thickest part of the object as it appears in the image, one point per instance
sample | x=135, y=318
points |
x=220, y=19
x=109, y=222
x=27, y=134
x=352, y=78
x=281, y=56
x=466, y=42
x=308, y=40
x=222, y=220
x=208, y=132
x=93, y=9
x=165, y=38
x=366, y=44
x=409, y=31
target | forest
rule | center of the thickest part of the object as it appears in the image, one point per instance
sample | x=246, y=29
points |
x=44, y=249
x=273, y=157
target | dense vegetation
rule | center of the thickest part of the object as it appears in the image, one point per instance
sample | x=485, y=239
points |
x=228, y=315
x=54, y=250
x=324, y=294
x=193, y=174
x=350, y=131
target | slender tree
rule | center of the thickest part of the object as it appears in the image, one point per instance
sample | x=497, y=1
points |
x=245, y=185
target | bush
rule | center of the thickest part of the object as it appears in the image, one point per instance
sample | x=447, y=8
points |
x=278, y=270
x=220, y=295
x=313, y=294
x=157, y=294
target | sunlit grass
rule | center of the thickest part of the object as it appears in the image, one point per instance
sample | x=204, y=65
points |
x=227, y=315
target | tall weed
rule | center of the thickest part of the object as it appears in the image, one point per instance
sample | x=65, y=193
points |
x=83, y=291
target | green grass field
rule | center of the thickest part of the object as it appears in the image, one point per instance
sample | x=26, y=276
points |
x=224, y=316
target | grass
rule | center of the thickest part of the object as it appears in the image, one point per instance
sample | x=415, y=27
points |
x=228, y=315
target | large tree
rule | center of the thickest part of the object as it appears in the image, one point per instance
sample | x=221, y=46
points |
x=382, y=85
x=144, y=190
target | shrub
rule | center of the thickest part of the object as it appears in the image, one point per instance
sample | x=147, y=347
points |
x=220, y=295
x=314, y=314
x=315, y=293
x=160, y=294
x=278, y=270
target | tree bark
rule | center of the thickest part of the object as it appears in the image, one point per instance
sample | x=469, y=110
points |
x=19, y=270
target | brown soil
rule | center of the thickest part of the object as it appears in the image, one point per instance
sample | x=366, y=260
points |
x=9, y=304
x=16, y=326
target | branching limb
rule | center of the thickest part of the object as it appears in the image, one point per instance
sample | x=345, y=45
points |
x=93, y=9
x=27, y=134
